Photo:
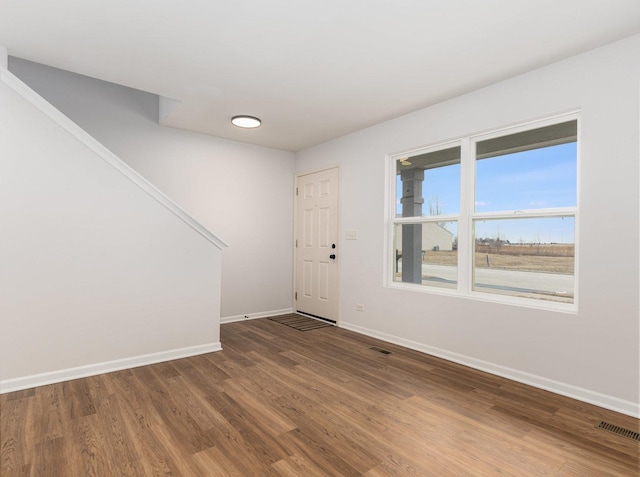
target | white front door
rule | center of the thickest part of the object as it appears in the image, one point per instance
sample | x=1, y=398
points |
x=317, y=253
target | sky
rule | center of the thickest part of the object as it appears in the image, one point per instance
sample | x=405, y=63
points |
x=536, y=179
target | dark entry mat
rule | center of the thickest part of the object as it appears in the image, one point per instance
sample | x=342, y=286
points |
x=300, y=322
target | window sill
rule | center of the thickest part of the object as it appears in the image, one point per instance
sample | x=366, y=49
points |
x=532, y=303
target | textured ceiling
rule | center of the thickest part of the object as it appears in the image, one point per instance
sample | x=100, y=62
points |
x=312, y=70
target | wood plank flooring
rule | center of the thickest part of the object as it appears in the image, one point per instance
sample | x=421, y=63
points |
x=280, y=402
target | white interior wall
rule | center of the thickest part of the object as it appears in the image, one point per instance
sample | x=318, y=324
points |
x=593, y=355
x=95, y=273
x=243, y=192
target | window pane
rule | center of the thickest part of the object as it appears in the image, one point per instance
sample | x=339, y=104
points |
x=534, y=169
x=426, y=253
x=531, y=257
x=428, y=184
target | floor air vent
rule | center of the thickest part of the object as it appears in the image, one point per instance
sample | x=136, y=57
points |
x=380, y=350
x=621, y=431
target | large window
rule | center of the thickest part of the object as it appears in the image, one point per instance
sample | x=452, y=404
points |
x=491, y=215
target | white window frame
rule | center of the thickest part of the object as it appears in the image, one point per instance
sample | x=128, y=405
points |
x=467, y=215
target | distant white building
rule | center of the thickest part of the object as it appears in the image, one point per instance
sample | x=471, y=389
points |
x=434, y=237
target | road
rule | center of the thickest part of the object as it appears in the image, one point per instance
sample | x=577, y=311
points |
x=506, y=280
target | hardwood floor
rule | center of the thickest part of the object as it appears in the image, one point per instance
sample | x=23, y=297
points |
x=280, y=402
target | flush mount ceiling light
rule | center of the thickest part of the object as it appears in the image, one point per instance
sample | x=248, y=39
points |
x=247, y=122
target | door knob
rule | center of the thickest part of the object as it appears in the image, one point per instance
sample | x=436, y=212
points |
x=332, y=256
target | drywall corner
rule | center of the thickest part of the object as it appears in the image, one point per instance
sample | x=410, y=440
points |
x=4, y=57
x=166, y=107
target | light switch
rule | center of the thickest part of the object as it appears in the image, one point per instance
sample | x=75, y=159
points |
x=351, y=234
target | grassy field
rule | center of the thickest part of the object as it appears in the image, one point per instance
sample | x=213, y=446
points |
x=536, y=258
x=533, y=249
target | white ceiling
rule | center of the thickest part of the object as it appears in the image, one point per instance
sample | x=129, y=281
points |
x=312, y=70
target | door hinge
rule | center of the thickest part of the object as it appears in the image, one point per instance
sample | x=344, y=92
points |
x=296, y=295
x=296, y=243
x=296, y=191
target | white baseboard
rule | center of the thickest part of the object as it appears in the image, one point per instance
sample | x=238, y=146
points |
x=52, y=377
x=608, y=402
x=255, y=316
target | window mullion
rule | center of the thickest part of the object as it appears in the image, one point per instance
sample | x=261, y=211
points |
x=465, y=240
x=518, y=214
x=425, y=218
